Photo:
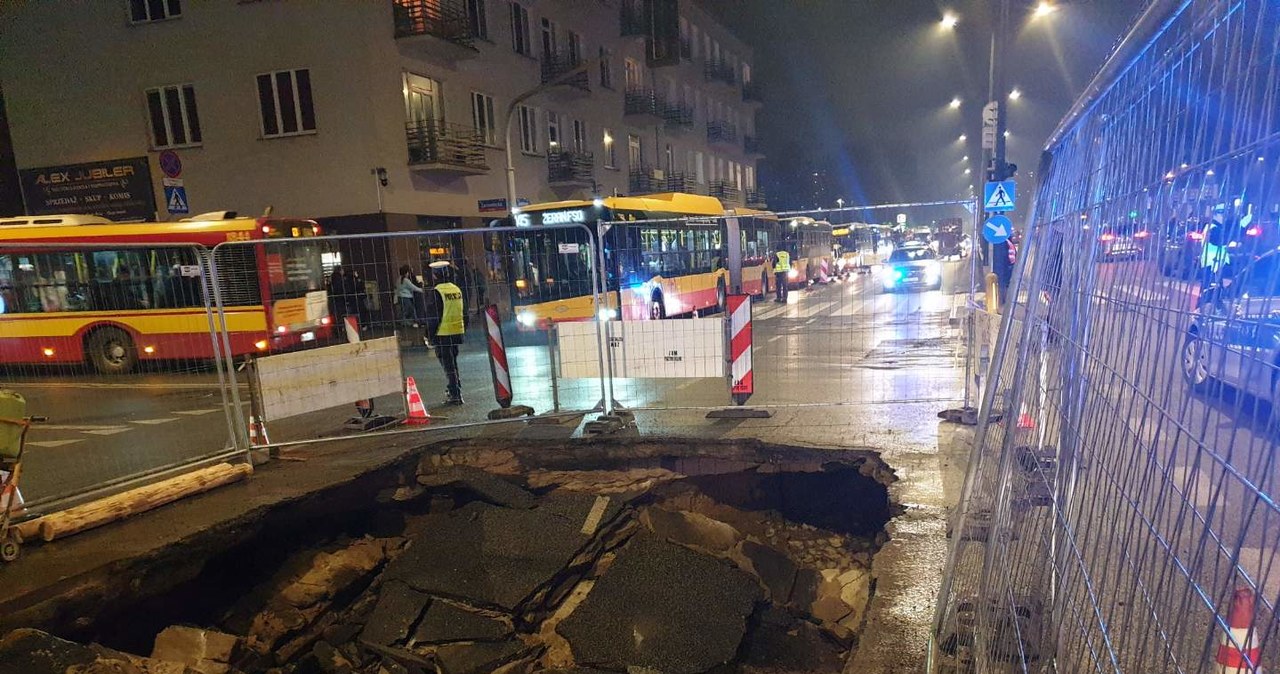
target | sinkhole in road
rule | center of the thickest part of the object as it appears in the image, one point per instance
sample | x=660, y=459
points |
x=669, y=555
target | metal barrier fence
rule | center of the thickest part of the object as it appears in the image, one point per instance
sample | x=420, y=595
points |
x=1120, y=513
x=862, y=317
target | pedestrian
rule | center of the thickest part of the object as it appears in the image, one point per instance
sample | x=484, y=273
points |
x=781, y=270
x=338, y=290
x=1215, y=255
x=446, y=326
x=358, y=302
x=408, y=293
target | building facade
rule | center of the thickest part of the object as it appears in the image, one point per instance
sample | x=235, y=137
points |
x=383, y=115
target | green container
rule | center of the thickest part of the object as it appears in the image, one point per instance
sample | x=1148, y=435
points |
x=13, y=407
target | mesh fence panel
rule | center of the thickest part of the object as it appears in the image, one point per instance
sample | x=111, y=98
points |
x=113, y=343
x=1120, y=510
x=860, y=311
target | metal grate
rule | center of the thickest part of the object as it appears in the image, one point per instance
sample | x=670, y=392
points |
x=445, y=144
x=571, y=168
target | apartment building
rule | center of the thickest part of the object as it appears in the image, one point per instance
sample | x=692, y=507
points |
x=381, y=115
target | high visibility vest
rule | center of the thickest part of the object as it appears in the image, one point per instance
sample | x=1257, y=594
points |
x=783, y=261
x=451, y=322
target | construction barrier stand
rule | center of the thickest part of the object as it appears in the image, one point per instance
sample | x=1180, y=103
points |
x=741, y=380
x=498, y=357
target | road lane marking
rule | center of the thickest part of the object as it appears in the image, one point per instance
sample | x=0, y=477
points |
x=1199, y=491
x=53, y=443
x=196, y=413
x=108, y=431
x=152, y=422
x=77, y=427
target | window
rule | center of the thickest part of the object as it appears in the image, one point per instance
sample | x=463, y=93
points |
x=520, y=41
x=284, y=98
x=548, y=39
x=482, y=117
x=635, y=152
x=749, y=177
x=575, y=48
x=632, y=72
x=100, y=280
x=606, y=68
x=477, y=19
x=528, y=129
x=146, y=11
x=670, y=165
x=175, y=121
x=610, y=156
x=746, y=74
x=702, y=173
x=553, y=132
x=422, y=100
x=579, y=136
x=693, y=33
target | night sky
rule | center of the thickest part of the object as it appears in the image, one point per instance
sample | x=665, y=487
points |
x=858, y=90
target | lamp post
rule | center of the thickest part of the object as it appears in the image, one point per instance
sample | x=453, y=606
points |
x=566, y=78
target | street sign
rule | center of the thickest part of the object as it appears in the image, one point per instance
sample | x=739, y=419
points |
x=175, y=200
x=998, y=197
x=170, y=163
x=902, y=218
x=172, y=182
x=990, y=114
x=998, y=229
x=988, y=137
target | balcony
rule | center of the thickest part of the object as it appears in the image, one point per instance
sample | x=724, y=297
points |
x=445, y=148
x=633, y=19
x=725, y=191
x=679, y=116
x=645, y=180
x=719, y=72
x=683, y=182
x=756, y=199
x=555, y=66
x=722, y=132
x=752, y=93
x=439, y=27
x=571, y=169
x=753, y=146
x=641, y=101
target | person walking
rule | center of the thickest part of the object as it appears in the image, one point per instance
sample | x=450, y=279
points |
x=781, y=269
x=338, y=295
x=408, y=292
x=446, y=326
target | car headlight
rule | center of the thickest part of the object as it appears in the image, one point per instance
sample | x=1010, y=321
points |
x=526, y=318
x=793, y=274
x=608, y=314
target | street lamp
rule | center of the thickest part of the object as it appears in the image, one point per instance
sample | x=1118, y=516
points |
x=1015, y=95
x=965, y=158
x=955, y=103
x=949, y=21
x=566, y=78
x=839, y=202
x=1044, y=9
x=963, y=138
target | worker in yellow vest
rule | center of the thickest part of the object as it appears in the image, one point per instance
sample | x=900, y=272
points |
x=781, y=269
x=446, y=325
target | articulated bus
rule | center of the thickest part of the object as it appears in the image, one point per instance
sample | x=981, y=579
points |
x=664, y=257
x=811, y=245
x=113, y=294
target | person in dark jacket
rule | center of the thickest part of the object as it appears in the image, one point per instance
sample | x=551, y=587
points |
x=446, y=323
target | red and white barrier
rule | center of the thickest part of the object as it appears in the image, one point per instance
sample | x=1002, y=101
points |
x=498, y=358
x=741, y=380
x=1238, y=651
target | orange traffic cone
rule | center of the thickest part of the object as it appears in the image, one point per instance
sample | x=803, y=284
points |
x=418, y=415
x=257, y=432
x=1238, y=651
x=1025, y=420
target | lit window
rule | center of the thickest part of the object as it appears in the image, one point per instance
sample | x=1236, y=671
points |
x=610, y=154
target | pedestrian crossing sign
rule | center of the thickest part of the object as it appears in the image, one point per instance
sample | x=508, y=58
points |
x=999, y=196
x=175, y=199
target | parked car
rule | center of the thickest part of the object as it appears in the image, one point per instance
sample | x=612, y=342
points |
x=911, y=265
x=1179, y=250
x=1122, y=242
x=1235, y=336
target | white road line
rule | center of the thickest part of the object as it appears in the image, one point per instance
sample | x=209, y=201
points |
x=108, y=431
x=76, y=427
x=775, y=338
x=152, y=422
x=53, y=443
x=196, y=413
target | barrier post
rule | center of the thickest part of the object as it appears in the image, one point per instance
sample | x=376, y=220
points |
x=1238, y=650
x=993, y=293
x=499, y=370
x=738, y=361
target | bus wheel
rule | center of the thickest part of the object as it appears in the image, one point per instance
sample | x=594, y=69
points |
x=657, y=308
x=111, y=351
x=721, y=295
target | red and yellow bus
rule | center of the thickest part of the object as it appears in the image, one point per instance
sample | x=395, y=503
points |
x=77, y=289
x=664, y=257
x=812, y=246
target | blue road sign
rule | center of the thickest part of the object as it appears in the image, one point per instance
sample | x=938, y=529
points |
x=998, y=229
x=175, y=200
x=999, y=197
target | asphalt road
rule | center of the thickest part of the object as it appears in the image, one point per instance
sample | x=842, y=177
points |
x=846, y=343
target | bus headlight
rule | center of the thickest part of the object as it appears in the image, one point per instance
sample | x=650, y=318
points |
x=608, y=314
x=793, y=274
x=526, y=318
